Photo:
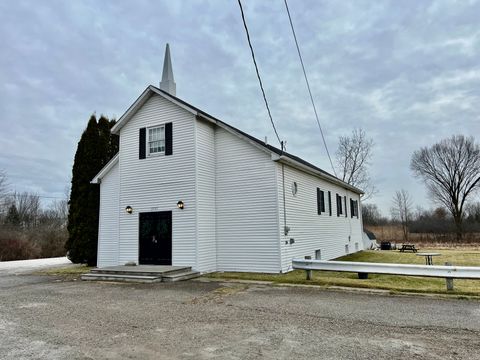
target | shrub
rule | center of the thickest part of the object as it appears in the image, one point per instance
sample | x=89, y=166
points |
x=15, y=246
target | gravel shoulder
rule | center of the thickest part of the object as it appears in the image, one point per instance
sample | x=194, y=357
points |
x=43, y=317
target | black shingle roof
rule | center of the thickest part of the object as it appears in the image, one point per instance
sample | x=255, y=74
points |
x=258, y=141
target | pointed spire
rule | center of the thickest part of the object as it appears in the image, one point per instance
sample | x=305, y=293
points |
x=168, y=83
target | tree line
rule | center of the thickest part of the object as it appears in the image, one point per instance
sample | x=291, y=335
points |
x=29, y=229
x=69, y=226
x=450, y=170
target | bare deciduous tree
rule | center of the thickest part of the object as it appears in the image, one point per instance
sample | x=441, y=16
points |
x=3, y=184
x=451, y=171
x=27, y=205
x=371, y=215
x=402, y=210
x=3, y=194
x=353, y=158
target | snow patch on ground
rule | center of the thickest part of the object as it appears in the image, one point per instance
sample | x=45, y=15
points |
x=18, y=266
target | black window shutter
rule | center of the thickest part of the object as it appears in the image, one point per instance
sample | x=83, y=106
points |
x=322, y=201
x=338, y=208
x=329, y=203
x=351, y=208
x=319, y=211
x=346, y=211
x=168, y=139
x=142, y=145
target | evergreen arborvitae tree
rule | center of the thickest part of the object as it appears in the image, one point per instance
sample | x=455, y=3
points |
x=94, y=150
x=13, y=217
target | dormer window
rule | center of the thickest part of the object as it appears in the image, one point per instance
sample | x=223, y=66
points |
x=156, y=140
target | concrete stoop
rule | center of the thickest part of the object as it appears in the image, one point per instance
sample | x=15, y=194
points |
x=141, y=273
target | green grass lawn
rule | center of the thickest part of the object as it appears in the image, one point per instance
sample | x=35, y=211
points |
x=67, y=272
x=393, y=283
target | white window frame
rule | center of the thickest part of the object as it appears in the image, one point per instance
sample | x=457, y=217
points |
x=147, y=143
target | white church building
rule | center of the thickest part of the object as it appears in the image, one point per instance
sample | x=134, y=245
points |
x=187, y=189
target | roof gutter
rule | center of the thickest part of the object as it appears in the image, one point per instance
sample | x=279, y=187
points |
x=289, y=161
x=205, y=117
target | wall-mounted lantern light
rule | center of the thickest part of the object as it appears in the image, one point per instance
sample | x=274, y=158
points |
x=129, y=209
x=180, y=205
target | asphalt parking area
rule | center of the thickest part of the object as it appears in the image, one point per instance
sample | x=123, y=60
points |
x=45, y=318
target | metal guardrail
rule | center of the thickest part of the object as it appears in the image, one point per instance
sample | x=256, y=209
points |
x=448, y=272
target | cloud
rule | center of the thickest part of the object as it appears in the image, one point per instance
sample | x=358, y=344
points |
x=407, y=73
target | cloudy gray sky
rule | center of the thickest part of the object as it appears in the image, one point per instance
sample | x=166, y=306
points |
x=407, y=72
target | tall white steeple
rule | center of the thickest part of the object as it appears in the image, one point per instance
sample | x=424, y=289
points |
x=168, y=83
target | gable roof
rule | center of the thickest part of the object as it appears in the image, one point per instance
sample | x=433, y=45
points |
x=108, y=166
x=277, y=154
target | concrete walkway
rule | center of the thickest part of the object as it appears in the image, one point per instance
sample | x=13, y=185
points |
x=19, y=266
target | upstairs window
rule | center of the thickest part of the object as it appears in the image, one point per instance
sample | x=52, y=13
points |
x=156, y=140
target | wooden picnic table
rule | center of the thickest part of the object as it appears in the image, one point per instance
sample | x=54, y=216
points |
x=408, y=247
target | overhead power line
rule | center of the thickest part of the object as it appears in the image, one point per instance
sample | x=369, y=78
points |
x=258, y=74
x=308, y=86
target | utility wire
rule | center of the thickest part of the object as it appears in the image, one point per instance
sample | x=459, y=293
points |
x=258, y=74
x=308, y=86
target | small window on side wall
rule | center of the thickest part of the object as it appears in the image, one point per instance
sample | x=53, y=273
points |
x=294, y=188
x=339, y=205
x=354, y=208
x=318, y=254
x=320, y=201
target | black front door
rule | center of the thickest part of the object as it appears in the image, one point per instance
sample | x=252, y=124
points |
x=155, y=238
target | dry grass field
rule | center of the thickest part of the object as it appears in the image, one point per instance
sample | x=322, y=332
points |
x=394, y=234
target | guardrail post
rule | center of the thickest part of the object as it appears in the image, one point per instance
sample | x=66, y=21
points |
x=449, y=281
x=309, y=272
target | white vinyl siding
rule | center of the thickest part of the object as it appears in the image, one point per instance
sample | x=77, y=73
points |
x=311, y=232
x=206, y=216
x=158, y=183
x=108, y=219
x=246, y=206
x=233, y=219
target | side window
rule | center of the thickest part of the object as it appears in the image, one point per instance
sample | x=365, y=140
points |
x=320, y=201
x=339, y=205
x=354, y=208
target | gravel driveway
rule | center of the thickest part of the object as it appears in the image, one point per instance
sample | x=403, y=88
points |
x=46, y=318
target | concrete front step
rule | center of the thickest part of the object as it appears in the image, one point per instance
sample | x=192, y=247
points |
x=122, y=277
x=141, y=271
x=187, y=275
